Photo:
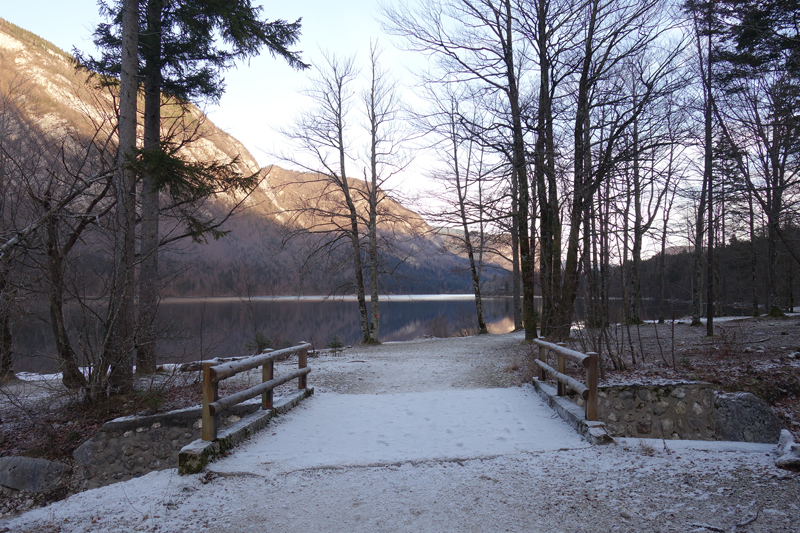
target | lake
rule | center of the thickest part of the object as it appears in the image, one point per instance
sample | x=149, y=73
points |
x=203, y=328
x=227, y=326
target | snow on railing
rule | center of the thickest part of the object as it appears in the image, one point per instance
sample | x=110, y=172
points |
x=214, y=373
x=589, y=361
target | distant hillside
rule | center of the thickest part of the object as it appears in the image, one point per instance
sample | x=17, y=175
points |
x=256, y=256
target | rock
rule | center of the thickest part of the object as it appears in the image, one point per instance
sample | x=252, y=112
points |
x=743, y=417
x=784, y=442
x=83, y=454
x=31, y=475
x=788, y=452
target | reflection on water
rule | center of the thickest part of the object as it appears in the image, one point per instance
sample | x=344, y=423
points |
x=203, y=328
x=195, y=328
x=225, y=327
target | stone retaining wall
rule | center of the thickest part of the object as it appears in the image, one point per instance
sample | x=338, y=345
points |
x=686, y=410
x=671, y=411
x=129, y=447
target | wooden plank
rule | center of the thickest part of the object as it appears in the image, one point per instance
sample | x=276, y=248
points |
x=572, y=355
x=227, y=370
x=229, y=401
x=573, y=383
x=210, y=395
x=267, y=374
x=562, y=368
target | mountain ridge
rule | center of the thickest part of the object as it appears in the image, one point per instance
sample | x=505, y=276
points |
x=257, y=254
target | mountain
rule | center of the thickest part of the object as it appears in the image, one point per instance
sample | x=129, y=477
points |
x=42, y=92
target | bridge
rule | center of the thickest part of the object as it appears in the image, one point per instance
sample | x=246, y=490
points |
x=432, y=436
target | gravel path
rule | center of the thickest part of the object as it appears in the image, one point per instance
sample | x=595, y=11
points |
x=552, y=482
x=422, y=365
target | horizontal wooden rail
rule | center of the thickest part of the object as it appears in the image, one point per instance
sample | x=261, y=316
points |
x=573, y=383
x=226, y=370
x=241, y=396
x=213, y=374
x=590, y=361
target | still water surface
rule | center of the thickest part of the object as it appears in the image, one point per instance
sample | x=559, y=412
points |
x=203, y=328
x=227, y=326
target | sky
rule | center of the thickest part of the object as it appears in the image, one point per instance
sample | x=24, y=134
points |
x=263, y=94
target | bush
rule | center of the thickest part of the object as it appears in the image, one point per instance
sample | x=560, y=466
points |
x=335, y=345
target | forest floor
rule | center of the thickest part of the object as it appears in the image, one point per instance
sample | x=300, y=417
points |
x=759, y=355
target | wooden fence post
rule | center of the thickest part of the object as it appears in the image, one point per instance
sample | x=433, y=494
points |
x=591, y=382
x=267, y=373
x=302, y=357
x=210, y=394
x=543, y=359
x=562, y=368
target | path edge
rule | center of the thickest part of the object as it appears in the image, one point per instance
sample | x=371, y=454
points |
x=593, y=431
x=196, y=455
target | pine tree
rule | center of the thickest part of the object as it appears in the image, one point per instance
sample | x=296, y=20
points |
x=181, y=63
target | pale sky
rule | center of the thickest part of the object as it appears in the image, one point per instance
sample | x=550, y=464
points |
x=262, y=95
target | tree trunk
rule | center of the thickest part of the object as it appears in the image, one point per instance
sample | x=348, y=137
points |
x=697, y=267
x=638, y=229
x=753, y=256
x=545, y=175
x=515, y=275
x=662, y=272
x=708, y=177
x=520, y=166
x=605, y=257
x=355, y=240
x=373, y=238
x=71, y=375
x=149, y=240
x=581, y=193
x=625, y=271
x=118, y=351
x=462, y=209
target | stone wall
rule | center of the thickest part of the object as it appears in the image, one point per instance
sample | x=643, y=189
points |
x=129, y=447
x=670, y=411
x=686, y=410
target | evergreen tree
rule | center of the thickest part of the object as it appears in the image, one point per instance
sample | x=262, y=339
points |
x=181, y=61
x=759, y=70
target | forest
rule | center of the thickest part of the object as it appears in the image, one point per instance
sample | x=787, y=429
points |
x=603, y=150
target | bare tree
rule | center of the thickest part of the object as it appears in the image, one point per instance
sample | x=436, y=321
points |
x=322, y=133
x=382, y=107
x=464, y=160
x=478, y=42
x=118, y=346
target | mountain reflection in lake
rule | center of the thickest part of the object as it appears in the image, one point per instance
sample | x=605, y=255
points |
x=225, y=327
x=203, y=328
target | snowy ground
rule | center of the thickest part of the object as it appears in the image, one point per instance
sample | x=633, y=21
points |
x=428, y=436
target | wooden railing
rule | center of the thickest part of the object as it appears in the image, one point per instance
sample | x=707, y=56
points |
x=589, y=361
x=213, y=405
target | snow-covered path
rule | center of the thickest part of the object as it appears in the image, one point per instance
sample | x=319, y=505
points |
x=429, y=437
x=455, y=411
x=335, y=430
